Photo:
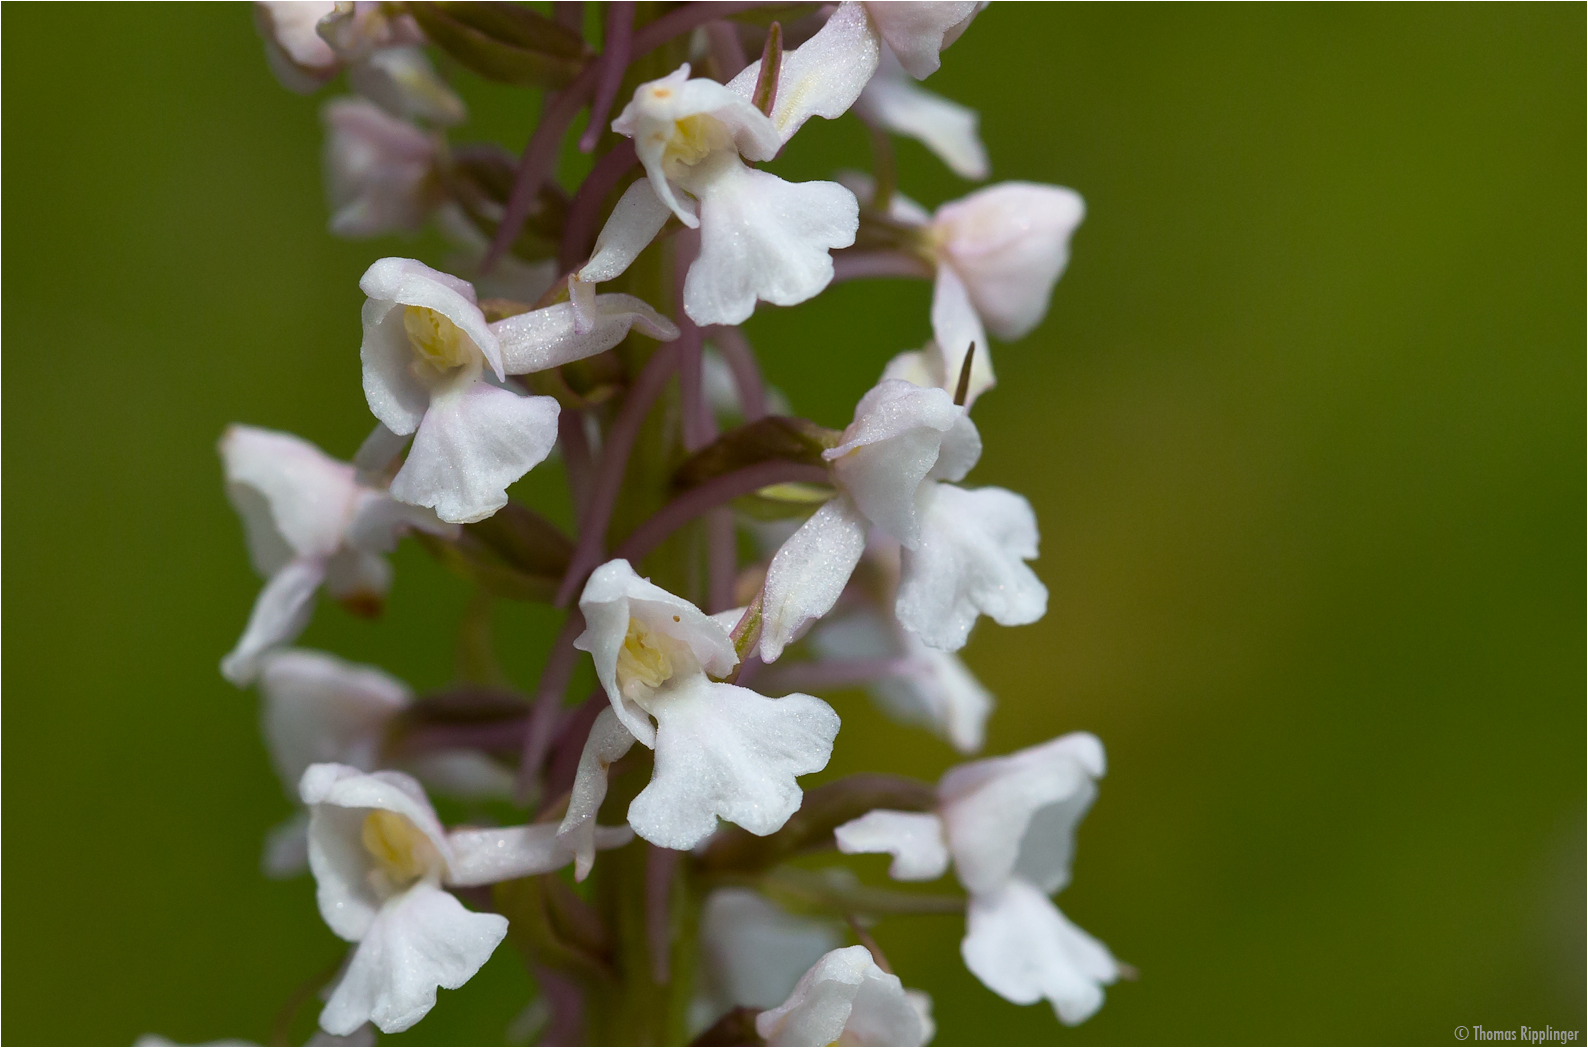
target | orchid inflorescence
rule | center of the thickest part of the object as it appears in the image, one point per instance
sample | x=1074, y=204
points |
x=725, y=553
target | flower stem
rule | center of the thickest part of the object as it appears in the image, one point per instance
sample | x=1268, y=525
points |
x=614, y=62
x=713, y=493
x=614, y=462
x=540, y=155
x=740, y=358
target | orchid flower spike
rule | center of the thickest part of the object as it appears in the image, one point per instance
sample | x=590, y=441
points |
x=319, y=708
x=846, y=998
x=721, y=750
x=963, y=549
x=309, y=522
x=381, y=173
x=918, y=33
x=433, y=367
x=1008, y=824
x=893, y=102
x=380, y=858
x=761, y=238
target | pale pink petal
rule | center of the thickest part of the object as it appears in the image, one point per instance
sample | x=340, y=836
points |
x=808, y=573
x=472, y=444
x=913, y=838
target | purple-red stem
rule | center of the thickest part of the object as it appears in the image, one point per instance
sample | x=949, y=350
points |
x=698, y=425
x=740, y=358
x=538, y=159
x=722, y=559
x=614, y=463
x=660, y=866
x=567, y=1006
x=684, y=19
x=584, y=212
x=548, y=704
x=614, y=62
x=726, y=49
x=572, y=734
x=575, y=457
x=853, y=265
x=840, y=673
x=711, y=494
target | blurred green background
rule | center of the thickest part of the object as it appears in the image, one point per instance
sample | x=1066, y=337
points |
x=1303, y=429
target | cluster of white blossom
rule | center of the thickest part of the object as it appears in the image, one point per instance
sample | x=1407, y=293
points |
x=824, y=559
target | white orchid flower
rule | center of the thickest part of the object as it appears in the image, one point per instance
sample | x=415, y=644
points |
x=963, y=550
x=761, y=238
x=309, y=522
x=308, y=42
x=893, y=102
x=1008, y=825
x=721, y=750
x=752, y=953
x=380, y=172
x=297, y=54
x=433, y=368
x=930, y=688
x=402, y=81
x=997, y=254
x=380, y=859
x=846, y=998
x=919, y=32
x=318, y=709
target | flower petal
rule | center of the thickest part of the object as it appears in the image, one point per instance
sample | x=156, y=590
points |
x=1015, y=816
x=286, y=851
x=395, y=395
x=339, y=799
x=947, y=128
x=319, y=709
x=913, y=838
x=844, y=999
x=726, y=751
x=823, y=76
x=420, y=940
x=296, y=54
x=891, y=447
x=548, y=338
x=955, y=327
x=1010, y=243
x=918, y=32
x=808, y=573
x=402, y=81
x=380, y=172
x=472, y=444
x=280, y=614
x=308, y=493
x=969, y=562
x=1023, y=949
x=763, y=238
x=752, y=952
x=612, y=596
x=639, y=215
x=486, y=856
x=608, y=740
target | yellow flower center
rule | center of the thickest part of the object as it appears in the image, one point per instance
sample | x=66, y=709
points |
x=438, y=341
x=401, y=851
x=643, y=659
